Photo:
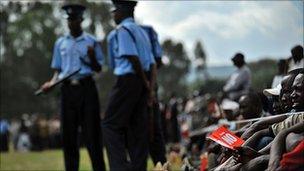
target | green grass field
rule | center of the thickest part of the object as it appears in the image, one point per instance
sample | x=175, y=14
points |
x=45, y=160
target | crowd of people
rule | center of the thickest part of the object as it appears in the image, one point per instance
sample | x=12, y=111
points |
x=270, y=122
x=30, y=133
x=136, y=124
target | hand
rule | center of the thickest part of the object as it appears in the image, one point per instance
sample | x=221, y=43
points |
x=225, y=154
x=151, y=98
x=230, y=164
x=214, y=148
x=147, y=85
x=248, y=133
x=91, y=52
x=251, y=130
x=46, y=86
x=245, y=154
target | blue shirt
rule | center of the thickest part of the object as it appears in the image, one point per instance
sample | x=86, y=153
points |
x=68, y=51
x=4, y=126
x=156, y=48
x=129, y=39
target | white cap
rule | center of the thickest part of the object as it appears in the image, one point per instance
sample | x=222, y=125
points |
x=273, y=91
x=229, y=105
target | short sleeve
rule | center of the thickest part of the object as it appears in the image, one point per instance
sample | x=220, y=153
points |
x=110, y=51
x=126, y=44
x=157, y=50
x=56, y=60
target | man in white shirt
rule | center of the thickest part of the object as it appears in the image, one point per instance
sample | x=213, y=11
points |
x=282, y=70
x=239, y=82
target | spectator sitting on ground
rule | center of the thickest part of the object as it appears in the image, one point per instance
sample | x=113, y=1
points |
x=257, y=141
x=297, y=99
x=285, y=101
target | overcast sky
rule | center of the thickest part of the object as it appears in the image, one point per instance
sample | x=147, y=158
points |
x=256, y=28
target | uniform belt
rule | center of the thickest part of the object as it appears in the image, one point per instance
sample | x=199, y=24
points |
x=81, y=81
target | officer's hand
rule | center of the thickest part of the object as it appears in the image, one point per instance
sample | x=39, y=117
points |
x=147, y=85
x=151, y=98
x=91, y=52
x=46, y=86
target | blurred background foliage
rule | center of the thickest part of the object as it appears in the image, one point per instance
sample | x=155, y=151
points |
x=29, y=30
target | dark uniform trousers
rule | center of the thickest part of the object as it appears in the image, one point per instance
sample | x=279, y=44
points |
x=80, y=107
x=157, y=147
x=125, y=125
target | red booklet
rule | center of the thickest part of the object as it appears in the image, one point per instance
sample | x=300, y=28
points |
x=226, y=138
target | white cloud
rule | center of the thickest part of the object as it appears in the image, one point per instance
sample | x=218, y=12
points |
x=235, y=25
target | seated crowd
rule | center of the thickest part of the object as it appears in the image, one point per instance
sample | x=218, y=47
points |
x=273, y=142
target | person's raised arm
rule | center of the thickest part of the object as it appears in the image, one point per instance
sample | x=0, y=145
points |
x=262, y=124
x=278, y=145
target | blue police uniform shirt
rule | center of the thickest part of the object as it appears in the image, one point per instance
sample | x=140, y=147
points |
x=129, y=39
x=156, y=48
x=68, y=52
x=4, y=126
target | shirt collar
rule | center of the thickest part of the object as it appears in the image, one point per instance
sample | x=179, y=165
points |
x=126, y=20
x=79, y=38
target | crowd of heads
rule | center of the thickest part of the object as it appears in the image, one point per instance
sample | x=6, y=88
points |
x=263, y=115
x=270, y=122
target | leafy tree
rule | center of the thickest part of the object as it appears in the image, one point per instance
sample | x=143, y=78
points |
x=200, y=59
x=172, y=76
x=263, y=72
x=27, y=34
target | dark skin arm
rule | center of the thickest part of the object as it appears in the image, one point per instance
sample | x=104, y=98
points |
x=278, y=145
x=153, y=75
x=256, y=137
x=95, y=66
x=266, y=150
x=259, y=125
x=139, y=70
x=240, y=131
x=46, y=86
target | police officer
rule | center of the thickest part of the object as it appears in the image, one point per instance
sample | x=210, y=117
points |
x=79, y=97
x=157, y=147
x=125, y=124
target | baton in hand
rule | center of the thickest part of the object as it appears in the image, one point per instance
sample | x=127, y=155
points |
x=41, y=91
